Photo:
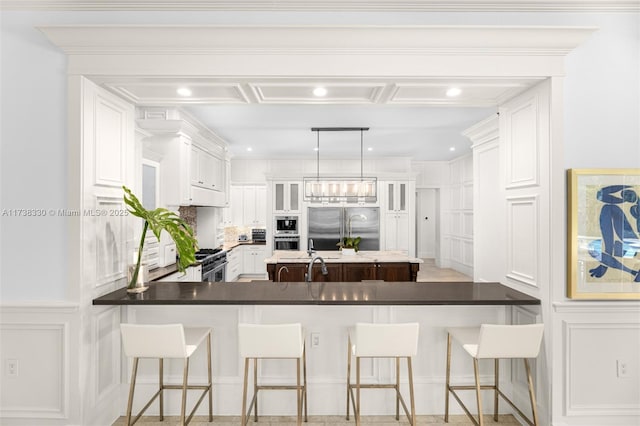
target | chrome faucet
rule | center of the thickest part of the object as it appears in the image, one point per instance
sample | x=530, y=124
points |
x=308, y=276
x=280, y=272
x=310, y=249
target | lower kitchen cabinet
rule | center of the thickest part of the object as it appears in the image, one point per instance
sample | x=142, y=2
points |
x=359, y=271
x=377, y=271
x=253, y=260
x=393, y=272
x=348, y=272
x=397, y=232
x=234, y=265
x=295, y=272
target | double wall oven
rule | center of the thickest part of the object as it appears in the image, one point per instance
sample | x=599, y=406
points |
x=286, y=235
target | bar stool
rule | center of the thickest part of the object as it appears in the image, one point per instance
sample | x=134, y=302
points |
x=382, y=341
x=166, y=341
x=494, y=342
x=272, y=341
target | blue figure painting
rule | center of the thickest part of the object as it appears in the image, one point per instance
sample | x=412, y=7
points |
x=619, y=232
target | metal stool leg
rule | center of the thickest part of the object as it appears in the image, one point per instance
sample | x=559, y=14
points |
x=448, y=380
x=183, y=410
x=298, y=393
x=413, y=402
x=244, y=391
x=304, y=388
x=357, y=408
x=478, y=395
x=532, y=395
x=210, y=377
x=496, y=390
x=348, y=375
x=134, y=372
x=161, y=382
x=397, y=388
x=255, y=389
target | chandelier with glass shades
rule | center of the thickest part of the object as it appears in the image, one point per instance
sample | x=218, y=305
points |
x=335, y=189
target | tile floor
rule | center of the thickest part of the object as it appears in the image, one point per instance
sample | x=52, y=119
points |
x=319, y=421
x=428, y=272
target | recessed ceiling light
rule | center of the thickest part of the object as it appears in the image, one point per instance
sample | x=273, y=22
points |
x=319, y=91
x=184, y=91
x=453, y=91
x=249, y=149
x=315, y=149
x=453, y=148
x=370, y=149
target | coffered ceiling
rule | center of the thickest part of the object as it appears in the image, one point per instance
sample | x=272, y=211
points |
x=271, y=118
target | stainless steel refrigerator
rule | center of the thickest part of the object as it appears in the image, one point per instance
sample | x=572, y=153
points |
x=329, y=225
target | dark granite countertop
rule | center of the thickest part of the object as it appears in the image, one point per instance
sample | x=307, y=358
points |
x=336, y=293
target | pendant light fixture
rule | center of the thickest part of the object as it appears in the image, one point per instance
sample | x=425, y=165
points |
x=335, y=189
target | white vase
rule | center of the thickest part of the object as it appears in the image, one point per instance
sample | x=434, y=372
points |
x=348, y=251
x=143, y=278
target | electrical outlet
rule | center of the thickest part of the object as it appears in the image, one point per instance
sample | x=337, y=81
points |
x=622, y=368
x=11, y=368
x=315, y=340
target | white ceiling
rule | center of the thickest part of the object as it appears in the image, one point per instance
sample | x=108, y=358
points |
x=407, y=118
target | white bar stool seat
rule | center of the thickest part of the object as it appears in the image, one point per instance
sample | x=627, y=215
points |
x=272, y=341
x=382, y=341
x=494, y=342
x=166, y=341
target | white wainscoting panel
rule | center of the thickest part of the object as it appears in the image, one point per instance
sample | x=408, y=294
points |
x=42, y=340
x=522, y=239
x=521, y=126
x=111, y=127
x=593, y=386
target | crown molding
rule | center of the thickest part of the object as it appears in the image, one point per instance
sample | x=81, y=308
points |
x=316, y=40
x=329, y=5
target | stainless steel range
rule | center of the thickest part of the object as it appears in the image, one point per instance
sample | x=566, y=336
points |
x=214, y=264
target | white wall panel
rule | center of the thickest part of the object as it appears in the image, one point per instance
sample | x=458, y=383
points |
x=110, y=140
x=42, y=340
x=522, y=220
x=39, y=385
x=593, y=386
x=521, y=126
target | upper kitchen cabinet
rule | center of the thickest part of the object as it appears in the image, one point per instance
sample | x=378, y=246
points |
x=396, y=198
x=193, y=159
x=206, y=169
x=248, y=205
x=287, y=197
x=399, y=216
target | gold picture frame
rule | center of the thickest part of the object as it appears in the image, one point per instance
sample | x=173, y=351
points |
x=603, y=234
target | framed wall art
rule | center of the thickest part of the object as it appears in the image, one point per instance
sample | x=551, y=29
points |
x=603, y=234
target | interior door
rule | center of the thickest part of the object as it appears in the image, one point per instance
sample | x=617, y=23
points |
x=427, y=219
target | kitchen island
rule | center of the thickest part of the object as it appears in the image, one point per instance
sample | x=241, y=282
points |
x=286, y=265
x=326, y=310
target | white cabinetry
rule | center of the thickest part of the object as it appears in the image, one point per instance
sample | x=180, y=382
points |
x=192, y=273
x=206, y=169
x=396, y=216
x=192, y=159
x=287, y=197
x=235, y=263
x=248, y=205
x=253, y=260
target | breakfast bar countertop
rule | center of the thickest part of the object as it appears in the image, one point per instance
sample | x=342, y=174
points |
x=320, y=293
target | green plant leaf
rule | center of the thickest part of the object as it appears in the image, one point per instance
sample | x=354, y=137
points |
x=160, y=220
